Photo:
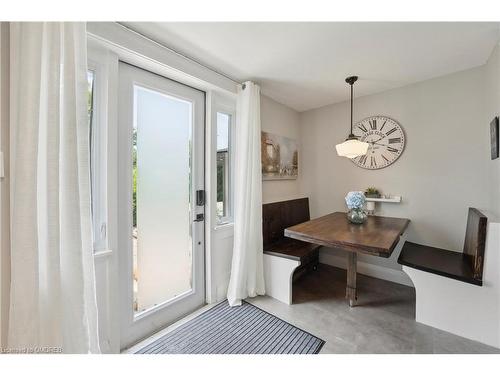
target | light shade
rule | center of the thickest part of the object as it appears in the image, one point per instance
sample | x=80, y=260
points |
x=352, y=148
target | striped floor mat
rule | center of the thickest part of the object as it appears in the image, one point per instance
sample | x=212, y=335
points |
x=245, y=329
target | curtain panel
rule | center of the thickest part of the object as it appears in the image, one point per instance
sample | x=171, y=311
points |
x=247, y=270
x=53, y=299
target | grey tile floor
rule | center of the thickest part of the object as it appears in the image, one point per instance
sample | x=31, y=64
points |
x=382, y=322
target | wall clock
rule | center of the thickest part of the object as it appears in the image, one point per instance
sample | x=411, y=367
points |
x=386, y=138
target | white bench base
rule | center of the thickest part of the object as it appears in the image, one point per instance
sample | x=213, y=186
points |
x=278, y=277
x=460, y=308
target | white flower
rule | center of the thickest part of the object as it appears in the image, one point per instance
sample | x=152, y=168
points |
x=355, y=199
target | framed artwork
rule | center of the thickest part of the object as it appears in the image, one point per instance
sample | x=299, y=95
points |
x=280, y=157
x=494, y=138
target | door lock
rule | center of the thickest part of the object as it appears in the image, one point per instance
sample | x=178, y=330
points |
x=199, y=217
x=200, y=197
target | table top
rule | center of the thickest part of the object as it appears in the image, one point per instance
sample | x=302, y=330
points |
x=378, y=236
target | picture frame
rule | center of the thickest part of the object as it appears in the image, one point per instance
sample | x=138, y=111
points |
x=494, y=134
x=279, y=157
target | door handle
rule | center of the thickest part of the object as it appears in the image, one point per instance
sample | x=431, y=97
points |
x=199, y=217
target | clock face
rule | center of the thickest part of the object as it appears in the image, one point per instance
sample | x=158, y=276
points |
x=386, y=139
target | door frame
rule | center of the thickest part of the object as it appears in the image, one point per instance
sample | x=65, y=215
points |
x=108, y=43
x=135, y=327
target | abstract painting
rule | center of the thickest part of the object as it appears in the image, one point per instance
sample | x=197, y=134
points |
x=279, y=157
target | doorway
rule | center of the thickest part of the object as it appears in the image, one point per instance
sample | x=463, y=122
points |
x=161, y=201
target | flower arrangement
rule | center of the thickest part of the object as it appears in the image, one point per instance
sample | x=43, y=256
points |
x=372, y=192
x=355, y=200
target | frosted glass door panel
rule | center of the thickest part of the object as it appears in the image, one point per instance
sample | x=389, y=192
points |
x=162, y=226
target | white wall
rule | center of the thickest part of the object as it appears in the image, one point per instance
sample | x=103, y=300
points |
x=492, y=109
x=4, y=184
x=279, y=119
x=443, y=170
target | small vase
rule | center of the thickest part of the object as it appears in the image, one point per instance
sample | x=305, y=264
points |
x=357, y=216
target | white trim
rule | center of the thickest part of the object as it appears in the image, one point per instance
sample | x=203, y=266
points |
x=226, y=106
x=103, y=253
x=105, y=258
x=216, y=282
x=4, y=183
x=141, y=51
x=99, y=129
x=368, y=269
x=224, y=230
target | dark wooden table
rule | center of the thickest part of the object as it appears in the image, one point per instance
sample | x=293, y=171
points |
x=377, y=236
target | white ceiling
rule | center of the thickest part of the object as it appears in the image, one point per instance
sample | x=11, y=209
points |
x=304, y=65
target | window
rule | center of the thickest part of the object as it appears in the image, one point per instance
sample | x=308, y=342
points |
x=97, y=165
x=223, y=167
x=91, y=124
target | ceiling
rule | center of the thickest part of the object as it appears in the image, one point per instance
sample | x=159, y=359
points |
x=304, y=65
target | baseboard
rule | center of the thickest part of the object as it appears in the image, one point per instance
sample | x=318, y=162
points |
x=384, y=273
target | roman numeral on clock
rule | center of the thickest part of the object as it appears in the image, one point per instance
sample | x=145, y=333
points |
x=394, y=140
x=373, y=124
x=373, y=162
x=383, y=157
x=390, y=132
x=362, y=127
x=383, y=125
x=392, y=149
x=362, y=159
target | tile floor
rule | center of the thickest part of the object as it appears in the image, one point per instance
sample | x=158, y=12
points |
x=382, y=322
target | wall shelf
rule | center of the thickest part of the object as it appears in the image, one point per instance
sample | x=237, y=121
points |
x=394, y=199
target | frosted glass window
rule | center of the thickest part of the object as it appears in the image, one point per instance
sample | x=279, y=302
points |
x=161, y=198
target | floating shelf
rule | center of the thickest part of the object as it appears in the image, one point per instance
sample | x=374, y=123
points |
x=394, y=199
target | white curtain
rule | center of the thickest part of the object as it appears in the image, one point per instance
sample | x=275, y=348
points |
x=247, y=272
x=53, y=300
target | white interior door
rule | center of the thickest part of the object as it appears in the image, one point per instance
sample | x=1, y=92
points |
x=161, y=168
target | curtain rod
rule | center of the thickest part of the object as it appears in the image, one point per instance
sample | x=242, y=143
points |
x=180, y=54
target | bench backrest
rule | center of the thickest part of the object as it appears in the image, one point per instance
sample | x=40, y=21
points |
x=475, y=241
x=280, y=215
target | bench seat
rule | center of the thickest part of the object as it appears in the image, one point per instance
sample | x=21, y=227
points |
x=441, y=262
x=292, y=249
x=466, y=266
x=285, y=259
x=459, y=292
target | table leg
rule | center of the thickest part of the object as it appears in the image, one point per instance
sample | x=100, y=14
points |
x=350, y=292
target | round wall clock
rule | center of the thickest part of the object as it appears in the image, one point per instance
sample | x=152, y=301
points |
x=386, y=138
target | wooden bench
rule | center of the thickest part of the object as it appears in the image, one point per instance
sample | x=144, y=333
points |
x=285, y=259
x=466, y=266
x=460, y=292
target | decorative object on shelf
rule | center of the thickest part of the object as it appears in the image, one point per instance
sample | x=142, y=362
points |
x=494, y=138
x=372, y=192
x=280, y=157
x=386, y=140
x=355, y=201
x=352, y=147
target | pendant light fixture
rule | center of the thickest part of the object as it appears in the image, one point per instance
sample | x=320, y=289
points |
x=352, y=146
